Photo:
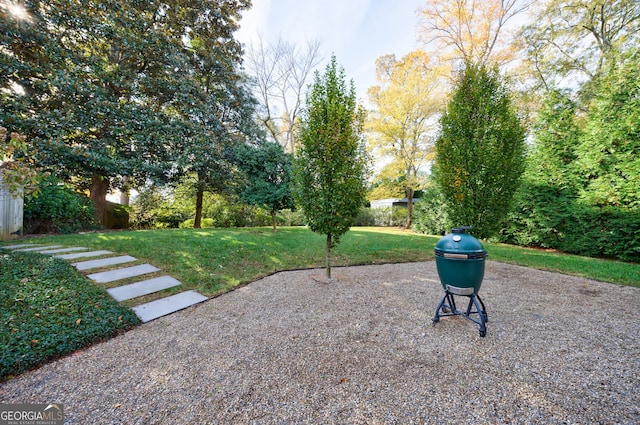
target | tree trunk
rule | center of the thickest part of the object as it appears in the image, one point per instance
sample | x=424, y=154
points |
x=98, y=194
x=328, y=256
x=409, y=207
x=124, y=194
x=273, y=220
x=124, y=197
x=197, y=221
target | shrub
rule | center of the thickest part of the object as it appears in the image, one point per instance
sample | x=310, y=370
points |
x=142, y=214
x=382, y=217
x=168, y=208
x=571, y=226
x=157, y=207
x=116, y=216
x=205, y=223
x=57, y=209
x=288, y=217
x=366, y=217
x=429, y=213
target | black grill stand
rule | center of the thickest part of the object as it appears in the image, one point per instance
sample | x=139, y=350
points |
x=448, y=307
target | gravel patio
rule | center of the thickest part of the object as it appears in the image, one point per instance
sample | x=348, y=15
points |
x=362, y=350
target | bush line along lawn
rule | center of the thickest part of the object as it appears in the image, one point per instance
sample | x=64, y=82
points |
x=48, y=309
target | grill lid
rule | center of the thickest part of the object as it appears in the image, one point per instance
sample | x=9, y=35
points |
x=460, y=245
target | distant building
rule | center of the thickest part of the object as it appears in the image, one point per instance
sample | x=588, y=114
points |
x=391, y=202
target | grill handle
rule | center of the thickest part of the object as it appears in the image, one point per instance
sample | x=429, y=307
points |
x=461, y=229
x=460, y=256
x=456, y=256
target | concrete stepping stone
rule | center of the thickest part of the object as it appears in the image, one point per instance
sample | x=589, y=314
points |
x=144, y=287
x=82, y=254
x=39, y=248
x=164, y=306
x=110, y=261
x=60, y=250
x=111, y=275
x=22, y=245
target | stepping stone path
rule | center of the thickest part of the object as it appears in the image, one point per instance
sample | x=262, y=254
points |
x=144, y=287
x=82, y=254
x=119, y=274
x=167, y=305
x=92, y=264
x=147, y=311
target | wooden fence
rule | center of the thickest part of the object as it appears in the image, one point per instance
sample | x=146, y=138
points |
x=11, y=210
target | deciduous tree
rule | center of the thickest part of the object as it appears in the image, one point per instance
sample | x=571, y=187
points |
x=569, y=40
x=280, y=72
x=480, y=153
x=470, y=31
x=404, y=116
x=330, y=166
x=267, y=168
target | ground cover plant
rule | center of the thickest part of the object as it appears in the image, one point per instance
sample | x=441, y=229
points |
x=47, y=310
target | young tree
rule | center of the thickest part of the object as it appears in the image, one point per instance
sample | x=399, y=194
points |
x=404, y=109
x=480, y=153
x=330, y=166
x=267, y=168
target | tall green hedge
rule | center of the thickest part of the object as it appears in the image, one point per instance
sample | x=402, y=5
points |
x=549, y=217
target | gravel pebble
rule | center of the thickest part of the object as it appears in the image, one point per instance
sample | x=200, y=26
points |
x=362, y=350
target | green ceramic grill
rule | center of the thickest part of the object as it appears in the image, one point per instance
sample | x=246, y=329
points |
x=460, y=260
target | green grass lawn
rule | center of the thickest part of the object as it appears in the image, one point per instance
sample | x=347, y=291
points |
x=46, y=300
x=215, y=260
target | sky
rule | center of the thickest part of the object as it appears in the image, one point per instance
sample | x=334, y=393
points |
x=357, y=31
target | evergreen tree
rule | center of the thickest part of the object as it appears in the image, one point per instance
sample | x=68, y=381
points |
x=543, y=203
x=267, y=168
x=608, y=154
x=117, y=90
x=581, y=186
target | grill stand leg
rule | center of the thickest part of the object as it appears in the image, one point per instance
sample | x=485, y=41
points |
x=447, y=307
